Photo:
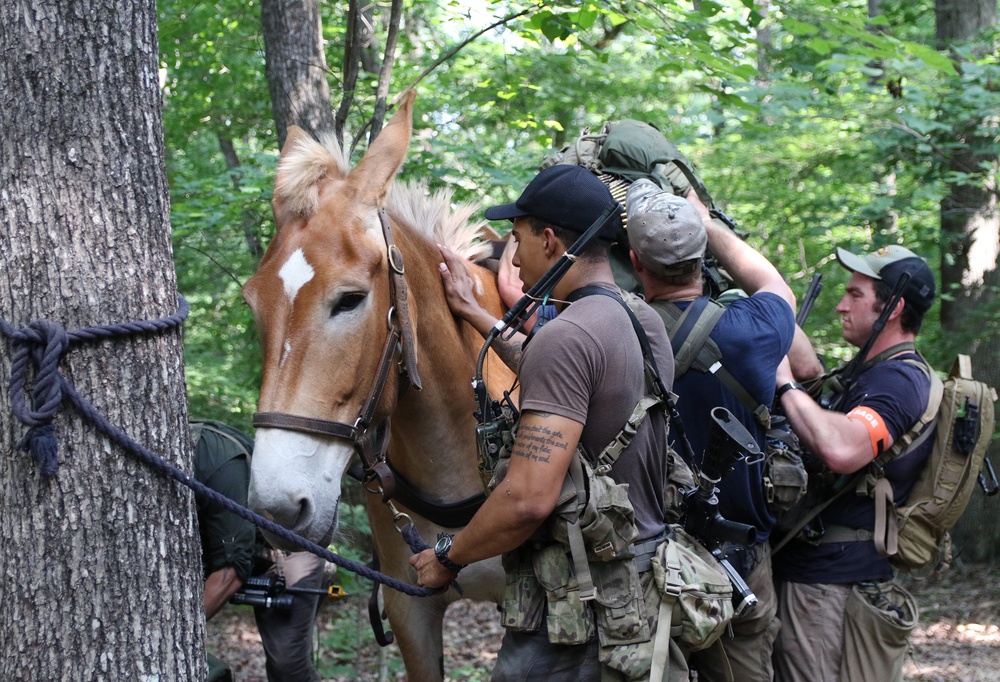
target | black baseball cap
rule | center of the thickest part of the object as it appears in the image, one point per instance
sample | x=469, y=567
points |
x=565, y=195
x=888, y=264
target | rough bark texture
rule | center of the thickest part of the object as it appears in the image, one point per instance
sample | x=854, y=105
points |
x=101, y=566
x=296, y=66
x=970, y=236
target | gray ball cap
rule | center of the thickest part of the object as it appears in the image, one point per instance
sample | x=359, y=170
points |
x=664, y=230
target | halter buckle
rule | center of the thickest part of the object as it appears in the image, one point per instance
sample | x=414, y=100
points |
x=395, y=257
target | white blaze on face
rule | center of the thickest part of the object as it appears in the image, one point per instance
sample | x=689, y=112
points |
x=295, y=273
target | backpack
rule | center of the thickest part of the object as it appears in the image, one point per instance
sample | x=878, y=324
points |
x=964, y=416
x=785, y=478
x=625, y=151
x=630, y=150
x=960, y=417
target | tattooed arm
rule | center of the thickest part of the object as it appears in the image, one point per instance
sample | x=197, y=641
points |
x=543, y=450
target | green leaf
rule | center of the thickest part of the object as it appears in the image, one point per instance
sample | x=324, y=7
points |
x=931, y=57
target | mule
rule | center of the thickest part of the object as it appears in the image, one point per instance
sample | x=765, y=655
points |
x=332, y=327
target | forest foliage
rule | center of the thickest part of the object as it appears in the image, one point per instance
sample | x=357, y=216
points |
x=814, y=125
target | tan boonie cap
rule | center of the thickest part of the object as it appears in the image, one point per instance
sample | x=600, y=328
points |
x=888, y=264
x=665, y=230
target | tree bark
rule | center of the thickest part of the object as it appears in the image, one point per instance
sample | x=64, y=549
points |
x=970, y=238
x=296, y=66
x=100, y=563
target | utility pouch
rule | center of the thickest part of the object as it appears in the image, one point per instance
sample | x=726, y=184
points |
x=569, y=620
x=785, y=478
x=878, y=620
x=523, y=596
x=696, y=592
x=619, y=605
x=608, y=520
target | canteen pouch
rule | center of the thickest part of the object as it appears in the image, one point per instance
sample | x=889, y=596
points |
x=878, y=620
x=568, y=619
x=523, y=596
x=620, y=604
x=785, y=479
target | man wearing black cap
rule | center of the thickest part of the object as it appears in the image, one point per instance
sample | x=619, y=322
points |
x=581, y=376
x=819, y=581
x=734, y=368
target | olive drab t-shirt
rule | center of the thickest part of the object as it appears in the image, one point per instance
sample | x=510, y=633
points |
x=586, y=365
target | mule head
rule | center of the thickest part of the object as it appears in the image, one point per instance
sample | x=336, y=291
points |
x=321, y=302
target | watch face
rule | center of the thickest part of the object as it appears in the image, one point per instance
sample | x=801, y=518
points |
x=443, y=544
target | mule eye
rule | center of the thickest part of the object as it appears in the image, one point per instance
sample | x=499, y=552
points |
x=347, y=303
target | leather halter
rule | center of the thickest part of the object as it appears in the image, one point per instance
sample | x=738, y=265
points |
x=370, y=441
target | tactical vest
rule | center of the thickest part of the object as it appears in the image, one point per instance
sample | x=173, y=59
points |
x=578, y=569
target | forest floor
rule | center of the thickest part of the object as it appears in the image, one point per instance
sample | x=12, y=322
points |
x=956, y=640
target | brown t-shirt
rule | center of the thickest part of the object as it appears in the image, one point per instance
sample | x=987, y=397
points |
x=586, y=365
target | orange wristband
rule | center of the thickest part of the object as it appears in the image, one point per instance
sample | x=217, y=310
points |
x=878, y=432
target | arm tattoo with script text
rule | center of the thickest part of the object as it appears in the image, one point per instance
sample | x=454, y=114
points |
x=537, y=442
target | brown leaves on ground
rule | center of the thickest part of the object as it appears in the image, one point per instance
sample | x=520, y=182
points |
x=956, y=640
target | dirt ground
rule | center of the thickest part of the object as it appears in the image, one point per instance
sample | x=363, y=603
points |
x=957, y=639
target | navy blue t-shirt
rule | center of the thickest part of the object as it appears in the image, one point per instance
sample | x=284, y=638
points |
x=753, y=335
x=898, y=392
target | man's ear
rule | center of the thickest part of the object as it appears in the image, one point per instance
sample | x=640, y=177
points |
x=636, y=264
x=551, y=243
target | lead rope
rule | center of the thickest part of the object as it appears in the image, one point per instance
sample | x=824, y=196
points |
x=42, y=344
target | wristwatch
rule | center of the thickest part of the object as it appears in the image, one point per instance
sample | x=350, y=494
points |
x=790, y=386
x=441, y=550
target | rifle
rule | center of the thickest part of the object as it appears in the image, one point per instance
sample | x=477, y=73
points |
x=728, y=443
x=270, y=591
x=840, y=382
x=812, y=293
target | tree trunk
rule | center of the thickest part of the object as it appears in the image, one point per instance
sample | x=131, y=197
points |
x=970, y=236
x=100, y=563
x=296, y=66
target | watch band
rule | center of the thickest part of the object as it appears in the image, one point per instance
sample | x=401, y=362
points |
x=790, y=386
x=441, y=550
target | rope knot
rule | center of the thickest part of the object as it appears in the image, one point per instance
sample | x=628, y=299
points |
x=41, y=442
x=40, y=346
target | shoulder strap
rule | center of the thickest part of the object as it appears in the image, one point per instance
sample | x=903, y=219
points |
x=923, y=427
x=658, y=393
x=690, y=332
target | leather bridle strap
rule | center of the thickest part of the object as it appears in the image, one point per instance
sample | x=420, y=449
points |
x=398, y=297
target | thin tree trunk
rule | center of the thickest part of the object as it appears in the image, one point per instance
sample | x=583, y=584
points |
x=100, y=564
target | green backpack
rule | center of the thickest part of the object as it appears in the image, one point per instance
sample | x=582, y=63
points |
x=625, y=151
x=630, y=150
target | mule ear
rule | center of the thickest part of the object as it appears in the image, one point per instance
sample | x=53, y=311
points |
x=386, y=154
x=293, y=135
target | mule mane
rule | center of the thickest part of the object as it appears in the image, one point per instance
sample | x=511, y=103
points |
x=309, y=162
x=433, y=214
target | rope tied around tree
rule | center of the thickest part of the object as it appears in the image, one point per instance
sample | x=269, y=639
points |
x=41, y=346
